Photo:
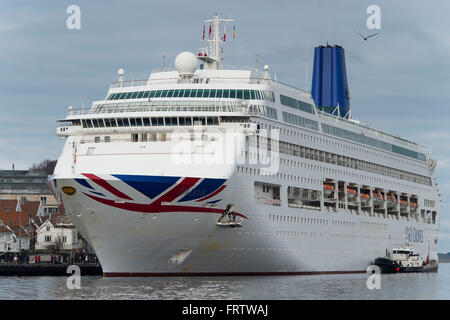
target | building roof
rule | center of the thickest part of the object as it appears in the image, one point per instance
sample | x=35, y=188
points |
x=8, y=205
x=31, y=207
x=15, y=218
x=4, y=229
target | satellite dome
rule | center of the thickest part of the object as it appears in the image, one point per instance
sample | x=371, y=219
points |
x=186, y=63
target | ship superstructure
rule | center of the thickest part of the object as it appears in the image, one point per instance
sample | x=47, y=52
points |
x=148, y=174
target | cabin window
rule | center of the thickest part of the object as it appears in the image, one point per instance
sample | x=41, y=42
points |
x=187, y=93
x=152, y=137
x=199, y=121
x=152, y=93
x=193, y=93
x=226, y=93
x=213, y=121
x=212, y=93
x=146, y=122
x=128, y=96
x=134, y=137
x=122, y=122
x=252, y=94
x=232, y=93
x=246, y=94
x=140, y=94
x=107, y=139
x=206, y=93
x=219, y=93
x=176, y=93
x=239, y=94
x=146, y=94
x=171, y=121
x=199, y=93
x=133, y=122
x=158, y=93
x=143, y=137
x=170, y=94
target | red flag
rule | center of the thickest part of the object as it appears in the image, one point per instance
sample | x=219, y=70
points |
x=210, y=31
x=224, y=37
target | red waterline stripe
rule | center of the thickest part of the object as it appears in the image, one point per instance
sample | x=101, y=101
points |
x=221, y=274
x=212, y=194
x=102, y=183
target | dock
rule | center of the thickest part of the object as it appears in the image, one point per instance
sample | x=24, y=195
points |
x=48, y=269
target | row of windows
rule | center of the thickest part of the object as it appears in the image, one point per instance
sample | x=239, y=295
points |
x=361, y=138
x=429, y=203
x=296, y=104
x=147, y=122
x=196, y=93
x=314, y=154
x=300, y=121
x=263, y=110
x=350, y=147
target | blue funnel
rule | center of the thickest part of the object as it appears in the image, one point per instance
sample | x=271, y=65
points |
x=329, y=82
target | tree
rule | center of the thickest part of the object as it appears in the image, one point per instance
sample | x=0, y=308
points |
x=47, y=165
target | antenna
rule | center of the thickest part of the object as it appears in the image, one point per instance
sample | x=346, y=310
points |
x=306, y=71
x=214, y=52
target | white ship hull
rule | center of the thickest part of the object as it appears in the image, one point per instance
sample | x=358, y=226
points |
x=129, y=242
x=152, y=168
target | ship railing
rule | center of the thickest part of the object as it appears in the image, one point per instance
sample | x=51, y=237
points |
x=128, y=83
x=257, y=77
x=162, y=106
x=366, y=128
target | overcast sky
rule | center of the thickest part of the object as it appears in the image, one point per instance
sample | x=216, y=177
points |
x=399, y=80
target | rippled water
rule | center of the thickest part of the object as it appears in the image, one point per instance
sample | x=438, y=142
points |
x=352, y=286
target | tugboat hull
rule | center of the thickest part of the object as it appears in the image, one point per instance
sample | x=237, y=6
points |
x=387, y=266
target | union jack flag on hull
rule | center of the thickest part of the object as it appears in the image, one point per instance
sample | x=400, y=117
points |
x=161, y=194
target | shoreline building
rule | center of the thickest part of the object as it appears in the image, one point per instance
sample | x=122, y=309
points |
x=26, y=186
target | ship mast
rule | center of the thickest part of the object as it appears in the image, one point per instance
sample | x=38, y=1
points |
x=212, y=55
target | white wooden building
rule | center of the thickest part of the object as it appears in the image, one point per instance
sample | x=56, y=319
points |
x=13, y=241
x=60, y=236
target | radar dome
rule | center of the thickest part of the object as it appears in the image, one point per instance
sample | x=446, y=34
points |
x=186, y=63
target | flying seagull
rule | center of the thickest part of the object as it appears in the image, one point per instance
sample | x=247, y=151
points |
x=365, y=38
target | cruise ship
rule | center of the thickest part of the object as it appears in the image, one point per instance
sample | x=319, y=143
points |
x=209, y=169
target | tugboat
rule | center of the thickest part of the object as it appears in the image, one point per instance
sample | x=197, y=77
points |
x=404, y=260
x=408, y=259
